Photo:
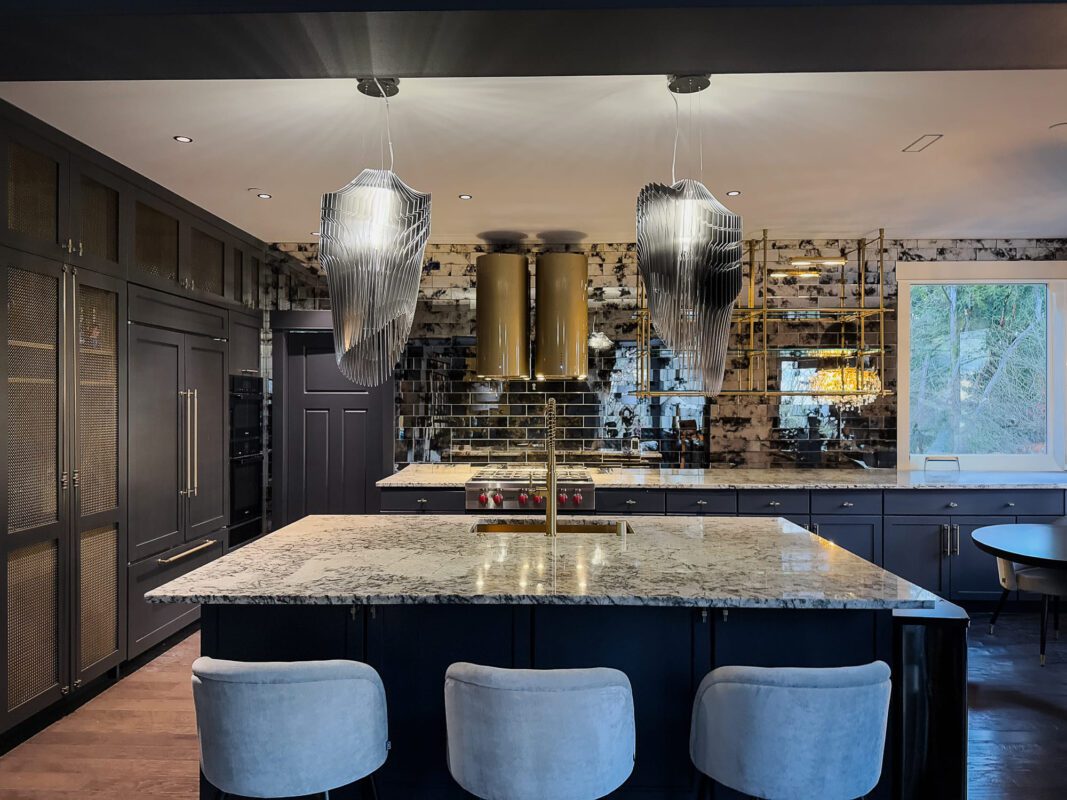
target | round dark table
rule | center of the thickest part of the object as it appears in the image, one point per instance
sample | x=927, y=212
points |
x=1033, y=545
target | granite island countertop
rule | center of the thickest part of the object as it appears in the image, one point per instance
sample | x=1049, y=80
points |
x=453, y=476
x=718, y=562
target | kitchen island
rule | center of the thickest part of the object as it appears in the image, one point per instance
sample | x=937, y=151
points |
x=665, y=601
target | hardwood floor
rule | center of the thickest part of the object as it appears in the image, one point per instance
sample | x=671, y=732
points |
x=135, y=741
x=1018, y=711
x=138, y=738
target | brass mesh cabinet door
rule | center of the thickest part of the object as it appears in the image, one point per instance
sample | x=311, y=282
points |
x=155, y=243
x=98, y=311
x=207, y=263
x=34, y=496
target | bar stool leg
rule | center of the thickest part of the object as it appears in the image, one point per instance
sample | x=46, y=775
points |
x=1056, y=616
x=1044, y=625
x=1000, y=607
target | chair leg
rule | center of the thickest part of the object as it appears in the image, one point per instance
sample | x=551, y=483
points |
x=1044, y=625
x=1000, y=607
x=368, y=789
x=1056, y=616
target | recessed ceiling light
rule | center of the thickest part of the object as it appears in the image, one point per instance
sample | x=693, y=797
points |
x=263, y=196
x=733, y=193
x=316, y=233
x=183, y=139
x=466, y=197
x=922, y=142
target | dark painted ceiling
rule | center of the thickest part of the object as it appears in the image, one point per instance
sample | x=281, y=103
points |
x=59, y=40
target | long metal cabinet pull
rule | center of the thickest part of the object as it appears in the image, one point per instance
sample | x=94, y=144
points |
x=184, y=412
x=196, y=444
x=957, y=531
x=64, y=466
x=946, y=540
x=187, y=553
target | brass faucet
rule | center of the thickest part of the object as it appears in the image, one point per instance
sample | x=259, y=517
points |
x=550, y=467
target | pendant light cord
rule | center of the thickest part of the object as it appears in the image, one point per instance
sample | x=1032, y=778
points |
x=388, y=130
x=677, y=125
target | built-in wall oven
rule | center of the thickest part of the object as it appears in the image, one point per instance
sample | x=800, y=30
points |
x=246, y=460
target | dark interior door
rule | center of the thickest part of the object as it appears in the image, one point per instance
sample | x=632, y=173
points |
x=157, y=473
x=206, y=378
x=334, y=444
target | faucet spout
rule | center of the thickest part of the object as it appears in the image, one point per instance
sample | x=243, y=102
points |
x=550, y=467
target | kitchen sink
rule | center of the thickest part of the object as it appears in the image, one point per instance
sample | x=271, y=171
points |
x=611, y=527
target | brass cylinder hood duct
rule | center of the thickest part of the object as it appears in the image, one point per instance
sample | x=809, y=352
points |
x=503, y=313
x=562, y=316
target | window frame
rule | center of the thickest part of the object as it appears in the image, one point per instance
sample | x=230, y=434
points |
x=1051, y=273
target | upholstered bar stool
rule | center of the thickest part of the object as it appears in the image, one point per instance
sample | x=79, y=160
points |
x=1049, y=583
x=792, y=734
x=279, y=729
x=526, y=734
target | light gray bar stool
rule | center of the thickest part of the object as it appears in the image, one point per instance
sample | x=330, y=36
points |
x=279, y=729
x=527, y=734
x=793, y=733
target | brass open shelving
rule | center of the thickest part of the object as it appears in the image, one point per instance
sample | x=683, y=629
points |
x=750, y=323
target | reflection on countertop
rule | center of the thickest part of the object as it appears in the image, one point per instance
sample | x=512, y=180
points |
x=453, y=476
x=712, y=562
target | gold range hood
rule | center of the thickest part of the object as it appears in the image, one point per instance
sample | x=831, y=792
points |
x=502, y=308
x=562, y=328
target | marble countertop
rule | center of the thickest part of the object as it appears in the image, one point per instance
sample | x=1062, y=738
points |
x=718, y=562
x=453, y=476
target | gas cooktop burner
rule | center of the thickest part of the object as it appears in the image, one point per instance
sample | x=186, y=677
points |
x=522, y=488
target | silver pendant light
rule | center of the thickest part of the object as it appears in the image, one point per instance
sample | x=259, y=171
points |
x=689, y=256
x=374, y=233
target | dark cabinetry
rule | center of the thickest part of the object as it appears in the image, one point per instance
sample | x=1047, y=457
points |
x=244, y=335
x=178, y=421
x=62, y=509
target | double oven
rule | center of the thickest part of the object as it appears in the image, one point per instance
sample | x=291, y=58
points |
x=247, y=449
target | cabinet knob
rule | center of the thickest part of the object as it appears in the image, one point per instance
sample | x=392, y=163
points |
x=846, y=504
x=1011, y=505
x=702, y=502
x=631, y=502
x=774, y=503
x=953, y=505
x=422, y=501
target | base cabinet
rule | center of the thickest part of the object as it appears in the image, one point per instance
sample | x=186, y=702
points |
x=861, y=535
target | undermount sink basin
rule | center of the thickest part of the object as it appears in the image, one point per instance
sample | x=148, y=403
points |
x=610, y=527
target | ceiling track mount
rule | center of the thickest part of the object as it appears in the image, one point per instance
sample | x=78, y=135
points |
x=688, y=84
x=378, y=87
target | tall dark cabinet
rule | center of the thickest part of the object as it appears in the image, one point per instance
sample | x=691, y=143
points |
x=178, y=428
x=115, y=304
x=62, y=467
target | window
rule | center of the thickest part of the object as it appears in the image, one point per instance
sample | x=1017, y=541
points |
x=977, y=375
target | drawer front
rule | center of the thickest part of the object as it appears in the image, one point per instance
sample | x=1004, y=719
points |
x=722, y=501
x=422, y=501
x=151, y=623
x=975, y=501
x=624, y=501
x=773, y=502
x=845, y=502
x=163, y=310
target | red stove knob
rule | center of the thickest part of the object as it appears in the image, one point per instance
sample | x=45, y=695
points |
x=523, y=498
x=563, y=497
x=498, y=498
x=577, y=498
x=539, y=499
x=483, y=498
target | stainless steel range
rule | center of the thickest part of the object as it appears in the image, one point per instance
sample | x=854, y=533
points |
x=524, y=488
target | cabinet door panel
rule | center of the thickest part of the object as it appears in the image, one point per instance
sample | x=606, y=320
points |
x=33, y=195
x=206, y=377
x=244, y=344
x=99, y=398
x=913, y=547
x=861, y=535
x=157, y=473
x=100, y=208
x=974, y=572
x=34, y=487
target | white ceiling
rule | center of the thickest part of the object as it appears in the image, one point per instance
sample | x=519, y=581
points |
x=564, y=158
